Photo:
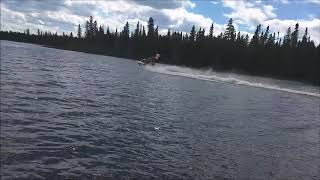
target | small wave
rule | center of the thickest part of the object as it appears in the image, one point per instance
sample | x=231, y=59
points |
x=210, y=75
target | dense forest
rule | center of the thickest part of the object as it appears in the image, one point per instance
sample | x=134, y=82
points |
x=264, y=54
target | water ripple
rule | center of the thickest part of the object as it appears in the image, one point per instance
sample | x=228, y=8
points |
x=70, y=115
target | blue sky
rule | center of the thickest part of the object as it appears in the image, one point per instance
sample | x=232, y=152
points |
x=298, y=9
x=180, y=15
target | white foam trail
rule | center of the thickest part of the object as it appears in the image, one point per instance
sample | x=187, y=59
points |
x=210, y=75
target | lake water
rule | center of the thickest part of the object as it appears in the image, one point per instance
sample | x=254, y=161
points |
x=68, y=114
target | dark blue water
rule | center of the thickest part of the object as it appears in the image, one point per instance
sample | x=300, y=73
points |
x=67, y=114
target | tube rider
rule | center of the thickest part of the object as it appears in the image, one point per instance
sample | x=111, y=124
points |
x=151, y=60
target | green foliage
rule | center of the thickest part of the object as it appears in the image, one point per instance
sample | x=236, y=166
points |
x=287, y=38
x=255, y=41
x=79, y=31
x=150, y=28
x=126, y=31
x=211, y=31
x=264, y=54
x=294, y=36
x=230, y=33
x=193, y=34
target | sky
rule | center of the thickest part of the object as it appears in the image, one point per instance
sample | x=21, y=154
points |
x=178, y=15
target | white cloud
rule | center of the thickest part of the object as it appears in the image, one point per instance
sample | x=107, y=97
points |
x=18, y=21
x=41, y=22
x=11, y=14
x=71, y=2
x=8, y=15
x=247, y=13
x=121, y=6
x=122, y=11
x=313, y=1
x=181, y=15
x=188, y=4
x=183, y=20
x=284, y=1
x=170, y=14
x=282, y=26
x=317, y=2
x=252, y=14
x=214, y=2
x=34, y=14
x=114, y=15
x=64, y=16
x=268, y=10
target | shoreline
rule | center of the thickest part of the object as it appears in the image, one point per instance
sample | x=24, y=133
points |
x=237, y=71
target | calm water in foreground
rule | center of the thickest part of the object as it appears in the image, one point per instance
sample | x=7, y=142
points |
x=67, y=114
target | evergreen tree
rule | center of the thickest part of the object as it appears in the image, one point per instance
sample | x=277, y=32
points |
x=261, y=42
x=305, y=38
x=246, y=39
x=255, y=39
x=79, y=31
x=270, y=41
x=140, y=31
x=280, y=41
x=198, y=36
x=136, y=31
x=193, y=34
x=125, y=31
x=87, y=29
x=143, y=32
x=238, y=39
x=287, y=38
x=294, y=36
x=108, y=34
x=182, y=49
x=220, y=36
x=28, y=32
x=265, y=36
x=150, y=28
x=116, y=33
x=91, y=28
x=94, y=29
x=211, y=31
x=278, y=38
x=229, y=34
x=169, y=34
x=100, y=33
x=186, y=37
x=274, y=37
x=156, y=32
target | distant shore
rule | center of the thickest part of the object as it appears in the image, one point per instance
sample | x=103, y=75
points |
x=136, y=59
x=264, y=54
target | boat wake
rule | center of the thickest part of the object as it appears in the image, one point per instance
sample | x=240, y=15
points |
x=210, y=75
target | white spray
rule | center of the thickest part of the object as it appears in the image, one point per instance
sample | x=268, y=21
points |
x=210, y=75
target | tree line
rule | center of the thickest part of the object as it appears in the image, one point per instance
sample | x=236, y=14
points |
x=266, y=53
